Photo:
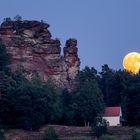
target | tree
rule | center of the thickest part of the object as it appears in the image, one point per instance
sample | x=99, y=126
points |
x=131, y=100
x=28, y=103
x=23, y=104
x=88, y=101
x=111, y=86
x=67, y=112
x=88, y=74
x=54, y=104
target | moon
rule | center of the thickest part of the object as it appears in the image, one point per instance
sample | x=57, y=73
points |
x=131, y=62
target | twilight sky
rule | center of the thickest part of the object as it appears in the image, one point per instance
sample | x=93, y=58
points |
x=106, y=30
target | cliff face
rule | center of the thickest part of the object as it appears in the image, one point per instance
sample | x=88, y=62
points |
x=30, y=45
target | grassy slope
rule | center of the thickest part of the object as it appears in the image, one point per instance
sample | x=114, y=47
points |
x=68, y=132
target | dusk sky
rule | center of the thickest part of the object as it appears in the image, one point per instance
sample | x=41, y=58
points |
x=106, y=30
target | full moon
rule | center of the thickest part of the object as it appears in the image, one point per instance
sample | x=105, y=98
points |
x=131, y=62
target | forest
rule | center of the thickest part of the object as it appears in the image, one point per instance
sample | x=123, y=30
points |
x=29, y=104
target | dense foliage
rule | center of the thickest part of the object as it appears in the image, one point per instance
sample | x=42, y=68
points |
x=31, y=103
x=88, y=101
x=84, y=105
x=28, y=104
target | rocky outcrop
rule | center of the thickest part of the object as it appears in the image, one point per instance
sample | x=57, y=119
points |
x=30, y=45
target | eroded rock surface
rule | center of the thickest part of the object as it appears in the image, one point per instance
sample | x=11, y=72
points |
x=30, y=45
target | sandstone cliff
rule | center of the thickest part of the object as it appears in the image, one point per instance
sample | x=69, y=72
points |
x=30, y=45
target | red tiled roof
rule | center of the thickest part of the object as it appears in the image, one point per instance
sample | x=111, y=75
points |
x=112, y=111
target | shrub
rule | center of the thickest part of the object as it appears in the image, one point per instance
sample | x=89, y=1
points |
x=81, y=138
x=7, y=19
x=136, y=136
x=2, y=137
x=18, y=18
x=107, y=137
x=99, y=128
x=50, y=134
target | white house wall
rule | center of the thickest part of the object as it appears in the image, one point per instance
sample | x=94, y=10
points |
x=113, y=121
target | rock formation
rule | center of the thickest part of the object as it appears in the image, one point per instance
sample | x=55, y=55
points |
x=30, y=45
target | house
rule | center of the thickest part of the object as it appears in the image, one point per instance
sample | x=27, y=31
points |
x=113, y=115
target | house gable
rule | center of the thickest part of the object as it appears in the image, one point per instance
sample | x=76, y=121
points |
x=112, y=115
